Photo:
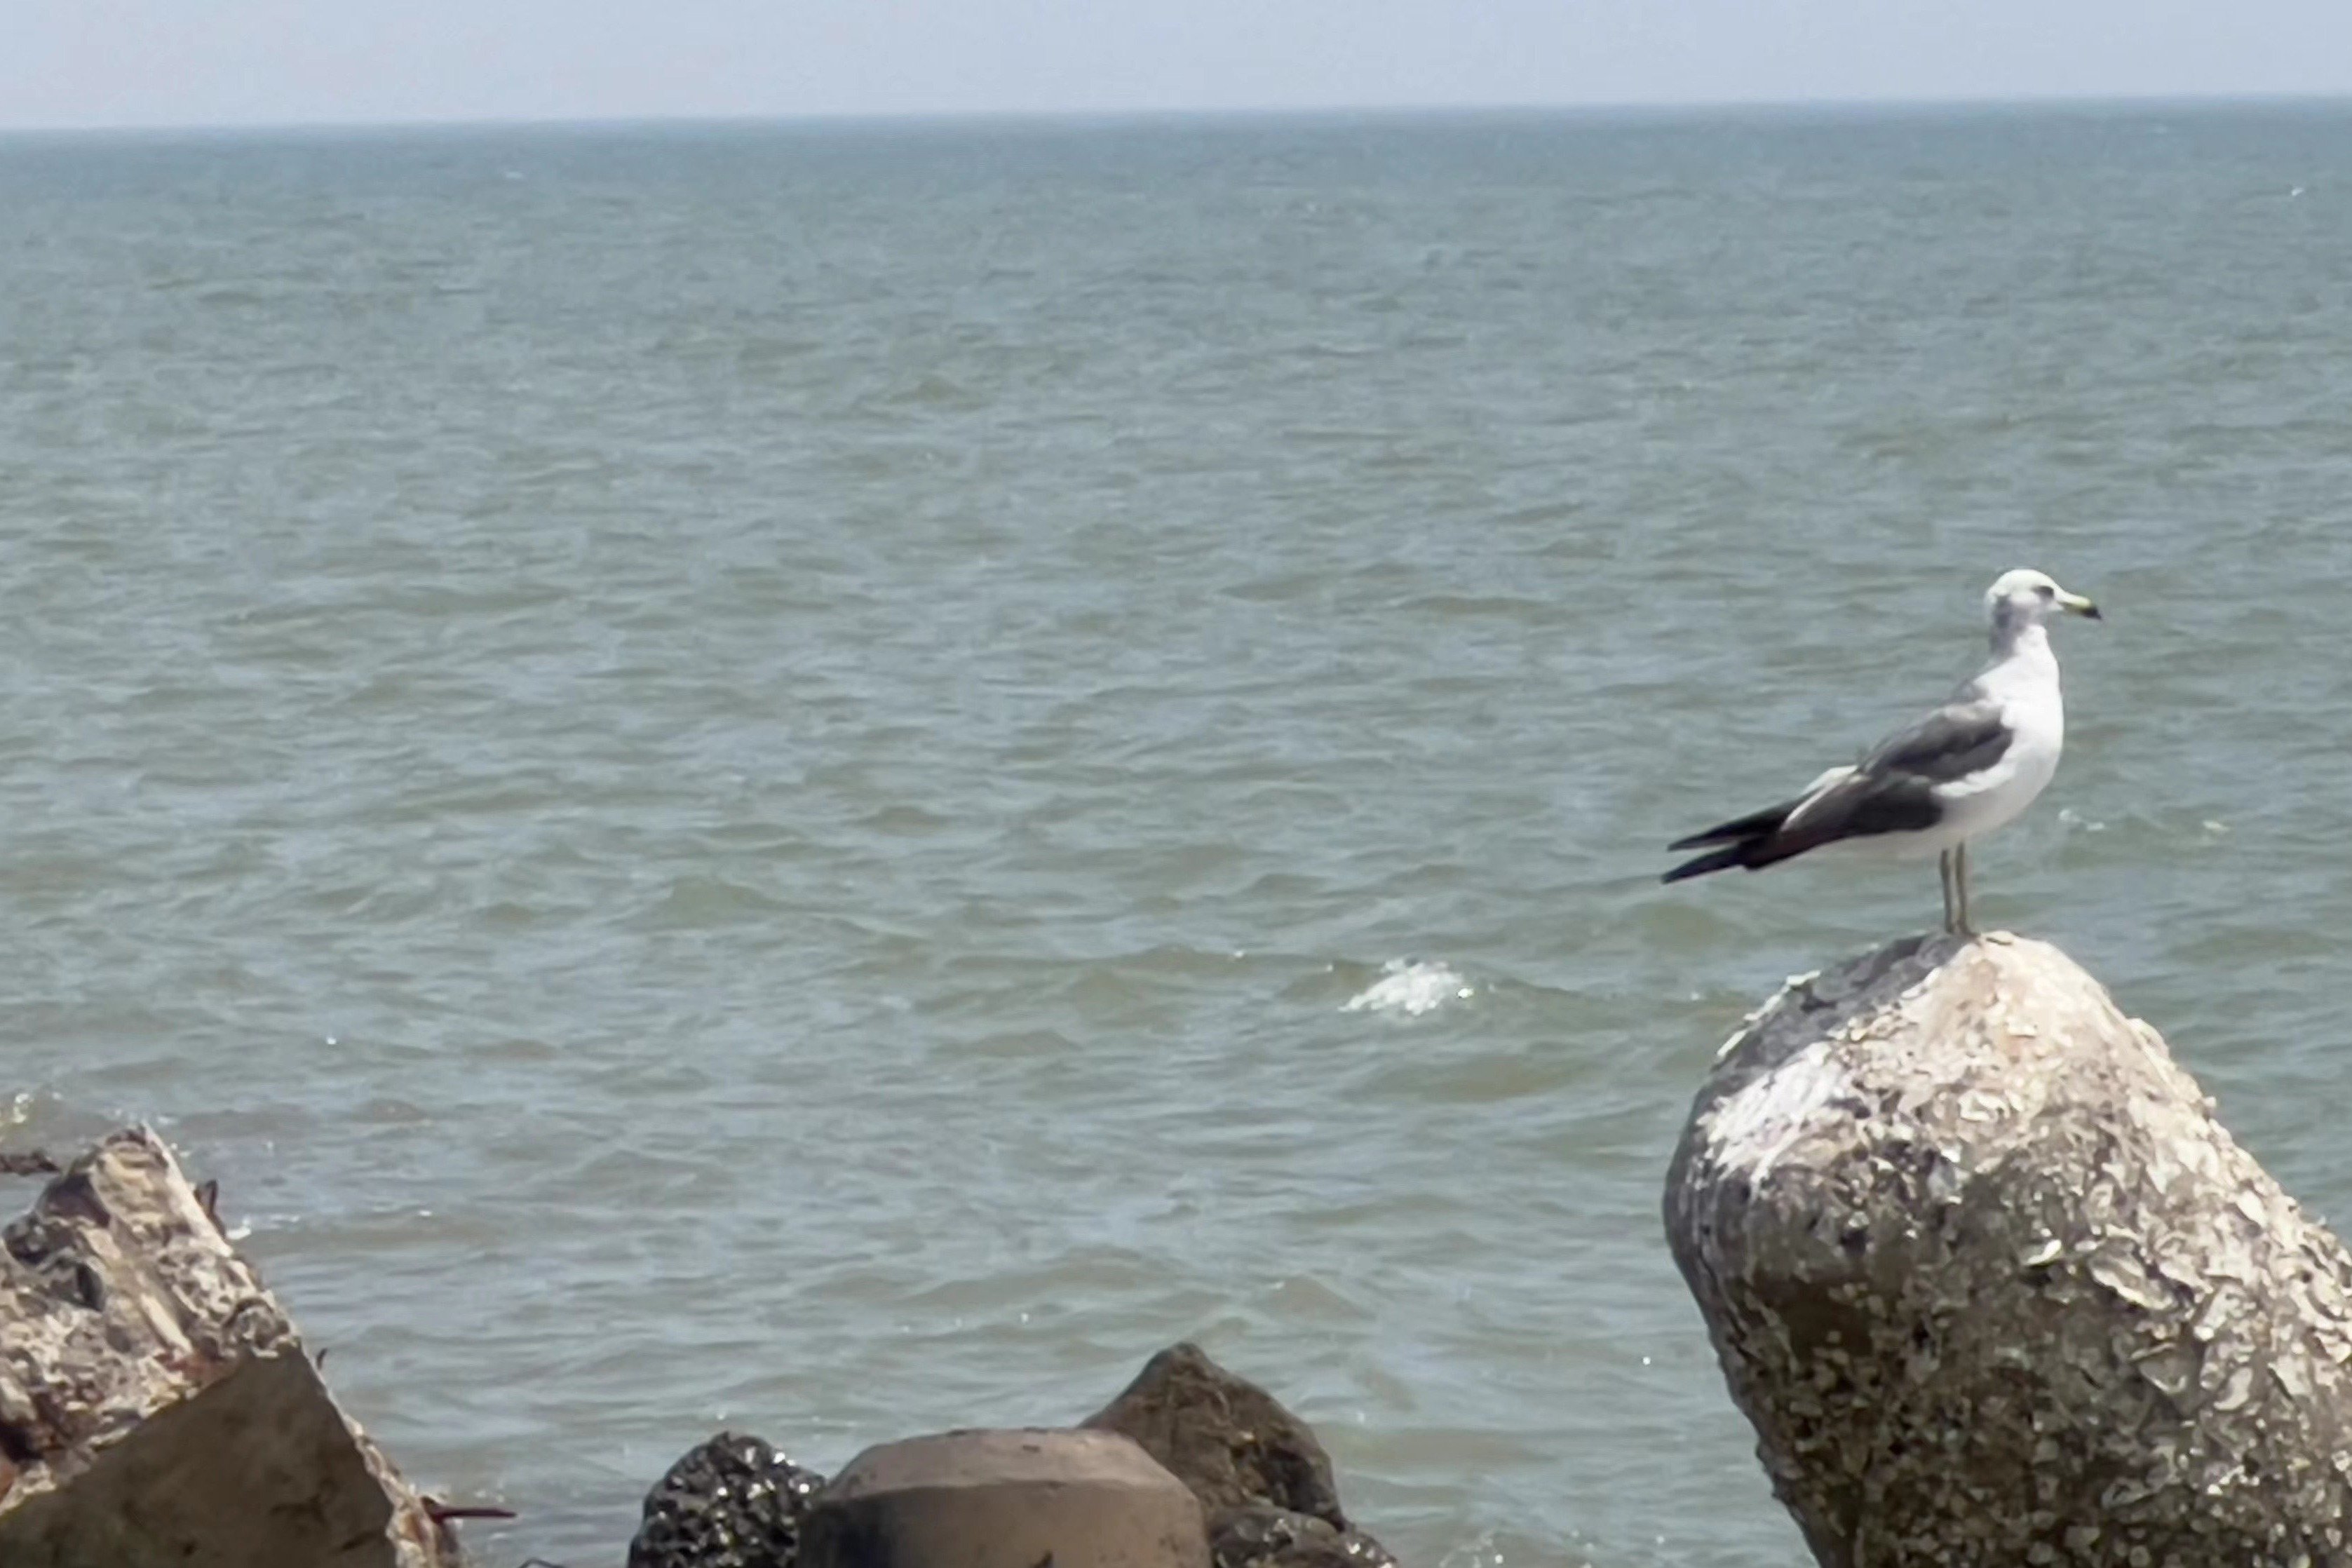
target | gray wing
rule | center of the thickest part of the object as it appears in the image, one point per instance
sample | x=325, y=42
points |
x=1965, y=736
x=1893, y=790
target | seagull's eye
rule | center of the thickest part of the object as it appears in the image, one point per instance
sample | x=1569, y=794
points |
x=2046, y=591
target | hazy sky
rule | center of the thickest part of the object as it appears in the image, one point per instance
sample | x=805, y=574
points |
x=210, y=62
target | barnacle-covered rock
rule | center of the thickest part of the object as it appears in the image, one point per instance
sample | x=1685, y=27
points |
x=729, y=1502
x=156, y=1407
x=1277, y=1538
x=1995, y=1288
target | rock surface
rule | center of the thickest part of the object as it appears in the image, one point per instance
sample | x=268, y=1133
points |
x=1222, y=1435
x=1265, y=1481
x=1277, y=1538
x=155, y=1405
x=1005, y=1499
x=1257, y=1488
x=729, y=1502
x=1994, y=1287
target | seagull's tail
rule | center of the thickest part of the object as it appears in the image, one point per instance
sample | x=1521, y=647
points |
x=1714, y=860
x=1740, y=838
x=1753, y=842
x=1755, y=825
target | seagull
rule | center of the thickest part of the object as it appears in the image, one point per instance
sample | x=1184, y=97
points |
x=1967, y=768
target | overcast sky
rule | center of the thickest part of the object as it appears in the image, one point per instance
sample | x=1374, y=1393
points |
x=240, y=62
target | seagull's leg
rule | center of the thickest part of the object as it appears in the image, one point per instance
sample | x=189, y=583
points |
x=1944, y=872
x=1960, y=880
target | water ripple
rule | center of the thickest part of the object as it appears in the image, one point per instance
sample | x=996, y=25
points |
x=776, y=776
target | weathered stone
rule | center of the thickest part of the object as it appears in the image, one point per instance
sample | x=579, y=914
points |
x=156, y=1407
x=1277, y=1538
x=1225, y=1438
x=1995, y=1288
x=1261, y=1476
x=1005, y=1499
x=730, y=1503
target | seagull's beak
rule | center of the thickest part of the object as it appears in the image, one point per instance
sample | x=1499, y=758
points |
x=2075, y=605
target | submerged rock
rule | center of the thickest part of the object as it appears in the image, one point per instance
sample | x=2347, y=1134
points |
x=729, y=1502
x=1258, y=1471
x=156, y=1407
x=1277, y=1538
x=1995, y=1288
x=1006, y=1500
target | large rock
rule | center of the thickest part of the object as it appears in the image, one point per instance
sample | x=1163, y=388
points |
x=1228, y=1439
x=729, y=1502
x=1005, y=1499
x=1995, y=1288
x=1264, y=1481
x=156, y=1407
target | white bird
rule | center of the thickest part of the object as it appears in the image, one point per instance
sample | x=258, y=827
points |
x=1966, y=769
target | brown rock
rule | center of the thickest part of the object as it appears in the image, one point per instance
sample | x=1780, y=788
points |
x=1005, y=1499
x=1224, y=1436
x=1276, y=1538
x=156, y=1407
x=1995, y=1288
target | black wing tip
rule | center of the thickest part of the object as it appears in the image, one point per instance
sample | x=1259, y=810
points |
x=1745, y=829
x=1719, y=861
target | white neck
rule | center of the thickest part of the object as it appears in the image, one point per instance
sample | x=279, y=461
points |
x=2022, y=639
x=2023, y=671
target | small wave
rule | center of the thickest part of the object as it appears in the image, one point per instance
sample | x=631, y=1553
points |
x=1411, y=987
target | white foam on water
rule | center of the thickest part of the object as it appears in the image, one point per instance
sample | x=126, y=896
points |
x=1411, y=987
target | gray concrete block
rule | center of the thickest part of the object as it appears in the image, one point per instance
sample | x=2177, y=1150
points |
x=1006, y=1500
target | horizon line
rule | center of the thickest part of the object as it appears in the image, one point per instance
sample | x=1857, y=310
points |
x=847, y=119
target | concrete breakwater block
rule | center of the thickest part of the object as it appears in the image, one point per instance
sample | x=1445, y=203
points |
x=156, y=1407
x=1005, y=1499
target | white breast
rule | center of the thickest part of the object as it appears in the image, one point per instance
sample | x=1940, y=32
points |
x=2026, y=687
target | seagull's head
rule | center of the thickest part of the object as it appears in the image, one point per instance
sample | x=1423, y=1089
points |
x=2026, y=597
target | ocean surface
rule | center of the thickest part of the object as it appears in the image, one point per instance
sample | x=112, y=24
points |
x=835, y=780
